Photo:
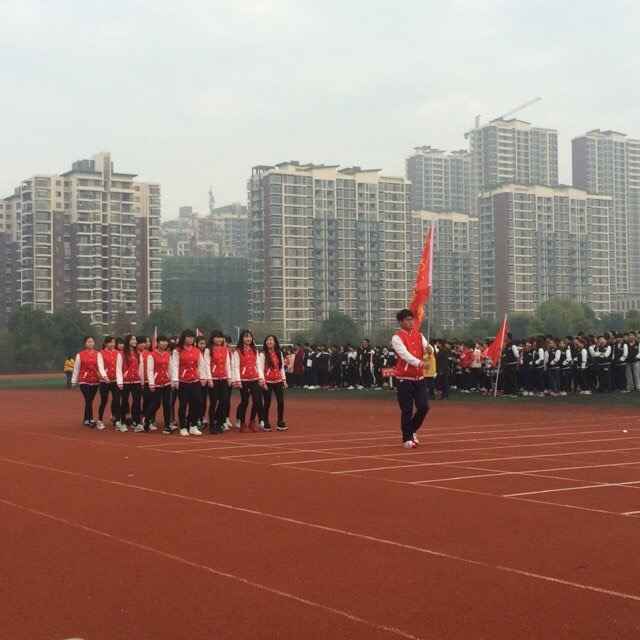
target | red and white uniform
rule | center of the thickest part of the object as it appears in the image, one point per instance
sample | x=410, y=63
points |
x=85, y=368
x=409, y=347
x=159, y=368
x=275, y=373
x=247, y=365
x=130, y=370
x=108, y=364
x=218, y=362
x=144, y=354
x=188, y=366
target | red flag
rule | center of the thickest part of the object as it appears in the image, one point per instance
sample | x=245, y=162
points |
x=494, y=350
x=154, y=339
x=424, y=280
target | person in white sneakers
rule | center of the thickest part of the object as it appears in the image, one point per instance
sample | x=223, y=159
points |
x=410, y=346
x=188, y=375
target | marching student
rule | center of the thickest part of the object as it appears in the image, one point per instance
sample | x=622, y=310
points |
x=566, y=366
x=188, y=374
x=107, y=366
x=603, y=353
x=409, y=345
x=539, y=362
x=87, y=376
x=276, y=381
x=129, y=373
x=159, y=376
x=430, y=371
x=620, y=357
x=218, y=363
x=633, y=364
x=510, y=361
x=247, y=371
x=203, y=420
x=143, y=347
x=554, y=360
x=583, y=378
x=68, y=369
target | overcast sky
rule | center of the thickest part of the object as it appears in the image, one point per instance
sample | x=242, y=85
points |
x=195, y=93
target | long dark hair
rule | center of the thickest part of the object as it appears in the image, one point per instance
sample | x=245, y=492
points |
x=128, y=349
x=187, y=333
x=244, y=333
x=276, y=348
x=107, y=340
x=214, y=335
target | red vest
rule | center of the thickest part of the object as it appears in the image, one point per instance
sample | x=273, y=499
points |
x=248, y=364
x=272, y=373
x=413, y=342
x=218, y=357
x=88, y=367
x=161, y=361
x=131, y=368
x=188, y=364
x=145, y=374
x=109, y=358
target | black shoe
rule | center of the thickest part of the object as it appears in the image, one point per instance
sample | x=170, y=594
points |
x=167, y=431
x=282, y=426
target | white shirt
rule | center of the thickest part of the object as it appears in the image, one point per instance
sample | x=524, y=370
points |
x=403, y=352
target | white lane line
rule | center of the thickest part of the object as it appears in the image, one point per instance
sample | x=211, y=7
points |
x=589, y=486
x=338, y=531
x=574, y=468
x=216, y=572
x=474, y=460
x=482, y=475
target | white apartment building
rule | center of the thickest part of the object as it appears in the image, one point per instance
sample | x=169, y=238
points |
x=324, y=238
x=89, y=238
x=455, y=299
x=608, y=163
x=539, y=242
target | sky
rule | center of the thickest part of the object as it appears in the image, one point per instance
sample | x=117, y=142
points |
x=193, y=94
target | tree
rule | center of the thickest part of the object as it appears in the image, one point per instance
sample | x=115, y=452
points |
x=632, y=320
x=338, y=328
x=168, y=321
x=560, y=317
x=71, y=326
x=207, y=323
x=520, y=325
x=382, y=335
x=35, y=340
x=613, y=322
x=480, y=329
x=7, y=352
x=262, y=329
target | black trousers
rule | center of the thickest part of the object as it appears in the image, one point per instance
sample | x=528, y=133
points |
x=442, y=383
x=133, y=391
x=147, y=400
x=250, y=390
x=190, y=398
x=89, y=393
x=160, y=397
x=510, y=379
x=412, y=393
x=620, y=377
x=204, y=397
x=174, y=399
x=604, y=379
x=218, y=403
x=277, y=389
x=107, y=388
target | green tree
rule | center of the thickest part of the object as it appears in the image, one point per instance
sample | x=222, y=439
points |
x=632, y=320
x=168, y=321
x=382, y=335
x=71, y=326
x=480, y=329
x=338, y=328
x=7, y=352
x=613, y=322
x=207, y=323
x=560, y=317
x=520, y=325
x=35, y=340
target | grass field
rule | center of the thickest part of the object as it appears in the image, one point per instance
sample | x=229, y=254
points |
x=510, y=521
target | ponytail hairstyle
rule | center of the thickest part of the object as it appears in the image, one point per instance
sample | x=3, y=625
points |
x=244, y=333
x=187, y=333
x=276, y=348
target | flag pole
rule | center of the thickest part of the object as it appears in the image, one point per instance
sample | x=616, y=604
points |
x=504, y=335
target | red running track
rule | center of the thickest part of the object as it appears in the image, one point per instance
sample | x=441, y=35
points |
x=510, y=521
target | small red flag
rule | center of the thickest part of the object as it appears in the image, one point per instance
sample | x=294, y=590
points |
x=424, y=280
x=494, y=350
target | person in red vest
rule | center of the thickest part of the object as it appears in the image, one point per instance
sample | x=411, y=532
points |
x=87, y=376
x=298, y=366
x=188, y=374
x=276, y=381
x=218, y=363
x=159, y=377
x=107, y=366
x=247, y=371
x=410, y=345
x=130, y=375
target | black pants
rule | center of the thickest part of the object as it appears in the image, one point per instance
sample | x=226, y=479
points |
x=68, y=375
x=410, y=393
x=250, y=390
x=366, y=378
x=147, y=400
x=190, y=397
x=160, y=397
x=89, y=392
x=218, y=403
x=135, y=392
x=620, y=377
x=204, y=396
x=174, y=399
x=604, y=379
x=277, y=389
x=442, y=383
x=107, y=388
x=510, y=379
x=431, y=387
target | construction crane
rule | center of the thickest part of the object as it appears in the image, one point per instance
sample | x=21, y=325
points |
x=519, y=108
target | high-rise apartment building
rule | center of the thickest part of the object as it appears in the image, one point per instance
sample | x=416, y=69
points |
x=455, y=299
x=511, y=152
x=440, y=180
x=608, y=163
x=230, y=227
x=539, y=242
x=89, y=238
x=9, y=291
x=322, y=238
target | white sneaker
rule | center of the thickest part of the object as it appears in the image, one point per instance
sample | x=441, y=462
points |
x=194, y=431
x=138, y=428
x=227, y=424
x=152, y=427
x=409, y=444
x=184, y=432
x=100, y=425
x=415, y=439
x=238, y=424
x=122, y=428
x=262, y=424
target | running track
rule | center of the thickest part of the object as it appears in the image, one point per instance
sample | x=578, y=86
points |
x=510, y=521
